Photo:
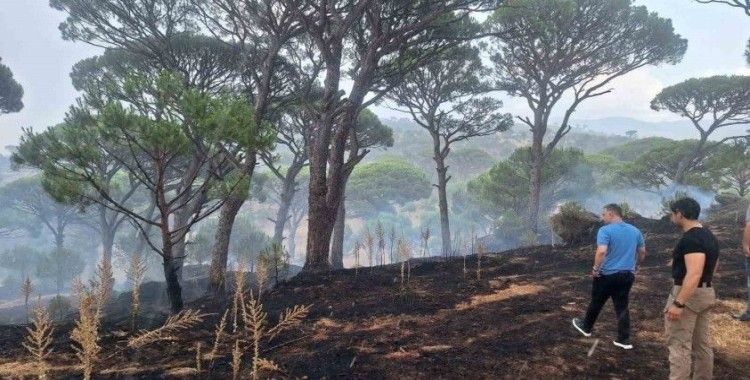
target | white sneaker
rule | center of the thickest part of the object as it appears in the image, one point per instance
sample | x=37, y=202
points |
x=624, y=345
x=578, y=324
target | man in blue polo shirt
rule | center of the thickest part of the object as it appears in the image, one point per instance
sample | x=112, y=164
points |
x=620, y=250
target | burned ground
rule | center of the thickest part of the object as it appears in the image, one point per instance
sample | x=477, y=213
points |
x=513, y=323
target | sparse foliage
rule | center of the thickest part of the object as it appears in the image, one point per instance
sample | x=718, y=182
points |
x=39, y=339
x=136, y=272
x=175, y=323
x=85, y=335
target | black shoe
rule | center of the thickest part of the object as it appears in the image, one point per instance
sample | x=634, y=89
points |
x=578, y=324
x=625, y=344
x=743, y=317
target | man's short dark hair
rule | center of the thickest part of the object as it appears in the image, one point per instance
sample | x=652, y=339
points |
x=688, y=207
x=614, y=207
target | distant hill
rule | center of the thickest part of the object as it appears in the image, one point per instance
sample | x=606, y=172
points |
x=678, y=130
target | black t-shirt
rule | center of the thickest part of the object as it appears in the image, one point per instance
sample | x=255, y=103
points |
x=695, y=240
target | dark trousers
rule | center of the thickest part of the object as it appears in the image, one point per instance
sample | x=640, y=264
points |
x=617, y=286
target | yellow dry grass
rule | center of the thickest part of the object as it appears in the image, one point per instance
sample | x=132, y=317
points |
x=175, y=323
x=39, y=339
x=501, y=295
x=729, y=334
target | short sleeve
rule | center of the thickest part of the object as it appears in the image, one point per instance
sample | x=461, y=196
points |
x=602, y=237
x=747, y=216
x=641, y=240
x=692, y=246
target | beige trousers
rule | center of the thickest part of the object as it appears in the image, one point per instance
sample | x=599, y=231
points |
x=688, y=338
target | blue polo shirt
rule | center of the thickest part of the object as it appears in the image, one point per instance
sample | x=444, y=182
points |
x=622, y=241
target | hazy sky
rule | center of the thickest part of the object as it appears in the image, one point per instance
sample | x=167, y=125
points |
x=30, y=44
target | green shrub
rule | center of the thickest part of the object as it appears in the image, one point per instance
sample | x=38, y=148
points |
x=574, y=225
x=627, y=211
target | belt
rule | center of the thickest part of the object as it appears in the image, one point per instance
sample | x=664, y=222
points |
x=704, y=284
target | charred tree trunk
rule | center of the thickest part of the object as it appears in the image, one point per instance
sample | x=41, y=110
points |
x=337, y=245
x=174, y=290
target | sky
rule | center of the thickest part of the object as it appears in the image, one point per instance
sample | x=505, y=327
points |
x=31, y=45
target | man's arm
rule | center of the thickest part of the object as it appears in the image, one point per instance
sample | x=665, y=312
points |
x=601, y=253
x=694, y=262
x=746, y=240
x=641, y=256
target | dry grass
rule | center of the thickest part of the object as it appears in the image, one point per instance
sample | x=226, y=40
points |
x=39, y=339
x=425, y=238
x=392, y=240
x=217, y=338
x=198, y=357
x=380, y=234
x=369, y=245
x=729, y=334
x=26, y=289
x=465, y=252
x=257, y=330
x=289, y=318
x=178, y=322
x=404, y=252
x=103, y=283
x=356, y=249
x=239, y=291
x=480, y=254
x=236, y=360
x=261, y=276
x=502, y=295
x=85, y=335
x=136, y=272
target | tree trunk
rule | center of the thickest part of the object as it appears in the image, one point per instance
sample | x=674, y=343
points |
x=222, y=237
x=320, y=228
x=445, y=231
x=285, y=201
x=174, y=290
x=685, y=163
x=220, y=249
x=337, y=245
x=535, y=182
x=108, y=242
x=294, y=223
x=59, y=246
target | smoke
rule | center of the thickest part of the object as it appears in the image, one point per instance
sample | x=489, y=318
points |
x=648, y=203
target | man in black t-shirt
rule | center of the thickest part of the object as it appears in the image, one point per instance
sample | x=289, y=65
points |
x=687, y=314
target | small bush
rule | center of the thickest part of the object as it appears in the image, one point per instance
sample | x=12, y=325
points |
x=628, y=212
x=58, y=307
x=575, y=225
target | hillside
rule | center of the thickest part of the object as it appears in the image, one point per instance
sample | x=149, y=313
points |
x=513, y=323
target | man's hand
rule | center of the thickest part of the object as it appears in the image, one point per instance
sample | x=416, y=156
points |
x=595, y=273
x=673, y=313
